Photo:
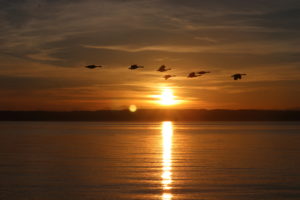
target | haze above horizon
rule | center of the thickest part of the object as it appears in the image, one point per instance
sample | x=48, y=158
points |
x=46, y=44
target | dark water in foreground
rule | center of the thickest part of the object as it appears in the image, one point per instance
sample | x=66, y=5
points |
x=167, y=161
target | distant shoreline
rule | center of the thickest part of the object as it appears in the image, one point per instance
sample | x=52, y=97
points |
x=153, y=115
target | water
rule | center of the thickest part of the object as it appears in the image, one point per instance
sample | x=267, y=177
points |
x=166, y=161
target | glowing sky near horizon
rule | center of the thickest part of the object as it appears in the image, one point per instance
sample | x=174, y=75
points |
x=45, y=45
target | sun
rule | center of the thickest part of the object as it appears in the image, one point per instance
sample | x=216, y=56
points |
x=167, y=98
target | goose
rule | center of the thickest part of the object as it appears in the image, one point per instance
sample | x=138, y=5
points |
x=192, y=75
x=93, y=66
x=202, y=72
x=163, y=68
x=133, y=67
x=166, y=77
x=237, y=76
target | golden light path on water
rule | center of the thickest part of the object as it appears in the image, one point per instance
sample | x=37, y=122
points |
x=167, y=134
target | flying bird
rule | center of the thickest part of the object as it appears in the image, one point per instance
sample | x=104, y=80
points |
x=163, y=68
x=93, y=66
x=192, y=75
x=132, y=67
x=166, y=77
x=237, y=76
x=202, y=72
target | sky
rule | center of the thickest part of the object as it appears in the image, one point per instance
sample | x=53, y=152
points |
x=45, y=44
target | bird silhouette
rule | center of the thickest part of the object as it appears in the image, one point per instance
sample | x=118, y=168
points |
x=163, y=68
x=237, y=76
x=192, y=75
x=202, y=72
x=166, y=77
x=133, y=67
x=93, y=66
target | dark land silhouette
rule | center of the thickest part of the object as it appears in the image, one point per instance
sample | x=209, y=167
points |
x=153, y=115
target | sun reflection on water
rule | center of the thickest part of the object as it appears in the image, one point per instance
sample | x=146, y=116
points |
x=167, y=133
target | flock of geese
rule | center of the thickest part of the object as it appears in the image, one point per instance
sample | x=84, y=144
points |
x=163, y=68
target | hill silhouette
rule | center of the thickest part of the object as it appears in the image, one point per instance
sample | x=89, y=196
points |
x=153, y=115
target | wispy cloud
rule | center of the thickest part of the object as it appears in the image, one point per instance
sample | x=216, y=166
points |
x=46, y=43
x=251, y=48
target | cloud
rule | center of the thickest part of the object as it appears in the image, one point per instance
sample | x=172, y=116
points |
x=31, y=27
x=262, y=48
x=44, y=43
x=38, y=83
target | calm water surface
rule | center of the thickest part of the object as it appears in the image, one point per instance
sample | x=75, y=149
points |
x=167, y=161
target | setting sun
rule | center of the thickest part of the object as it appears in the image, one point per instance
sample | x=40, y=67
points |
x=167, y=97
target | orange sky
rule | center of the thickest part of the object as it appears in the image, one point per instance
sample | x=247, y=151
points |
x=46, y=44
